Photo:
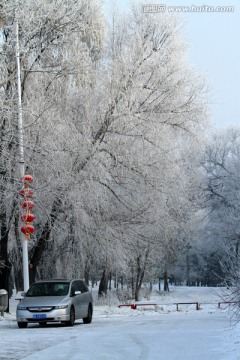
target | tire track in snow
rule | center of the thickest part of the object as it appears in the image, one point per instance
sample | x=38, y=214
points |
x=143, y=347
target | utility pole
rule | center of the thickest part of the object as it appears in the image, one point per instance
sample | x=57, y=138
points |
x=21, y=159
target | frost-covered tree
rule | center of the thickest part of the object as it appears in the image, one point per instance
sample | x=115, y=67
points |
x=230, y=264
x=109, y=122
x=222, y=166
x=58, y=40
x=146, y=104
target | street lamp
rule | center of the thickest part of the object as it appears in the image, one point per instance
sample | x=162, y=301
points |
x=21, y=160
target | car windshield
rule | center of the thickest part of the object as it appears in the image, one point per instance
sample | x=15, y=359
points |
x=48, y=289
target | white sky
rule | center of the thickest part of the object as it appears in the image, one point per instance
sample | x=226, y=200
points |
x=214, y=49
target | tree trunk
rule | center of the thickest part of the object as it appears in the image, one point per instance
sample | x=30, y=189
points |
x=116, y=281
x=166, y=287
x=87, y=271
x=103, y=286
x=187, y=271
x=110, y=281
x=18, y=278
x=140, y=276
x=138, y=280
x=5, y=265
x=41, y=244
x=18, y=258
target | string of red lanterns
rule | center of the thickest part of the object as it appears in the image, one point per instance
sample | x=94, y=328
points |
x=27, y=217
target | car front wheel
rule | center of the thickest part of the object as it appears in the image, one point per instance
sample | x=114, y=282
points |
x=22, y=325
x=88, y=319
x=72, y=318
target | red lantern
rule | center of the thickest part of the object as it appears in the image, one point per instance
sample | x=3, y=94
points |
x=26, y=192
x=27, y=230
x=28, y=204
x=28, y=178
x=27, y=217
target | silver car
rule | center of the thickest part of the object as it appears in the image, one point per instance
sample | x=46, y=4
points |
x=55, y=301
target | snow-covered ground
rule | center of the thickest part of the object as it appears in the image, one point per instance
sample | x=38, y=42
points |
x=148, y=333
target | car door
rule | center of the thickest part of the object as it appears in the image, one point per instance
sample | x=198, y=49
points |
x=76, y=299
x=81, y=300
x=84, y=298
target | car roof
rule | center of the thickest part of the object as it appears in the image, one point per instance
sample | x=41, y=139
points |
x=56, y=280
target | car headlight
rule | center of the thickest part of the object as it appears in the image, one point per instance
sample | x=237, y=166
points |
x=21, y=307
x=61, y=307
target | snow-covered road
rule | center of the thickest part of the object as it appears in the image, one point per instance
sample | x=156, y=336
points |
x=145, y=336
x=160, y=333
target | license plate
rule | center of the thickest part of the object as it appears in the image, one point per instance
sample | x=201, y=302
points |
x=39, y=316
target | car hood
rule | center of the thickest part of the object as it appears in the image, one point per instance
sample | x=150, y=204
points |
x=44, y=300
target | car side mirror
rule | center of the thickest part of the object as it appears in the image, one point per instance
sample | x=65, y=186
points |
x=23, y=294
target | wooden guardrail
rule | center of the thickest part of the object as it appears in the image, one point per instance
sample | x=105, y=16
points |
x=228, y=303
x=197, y=304
x=134, y=306
x=188, y=303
